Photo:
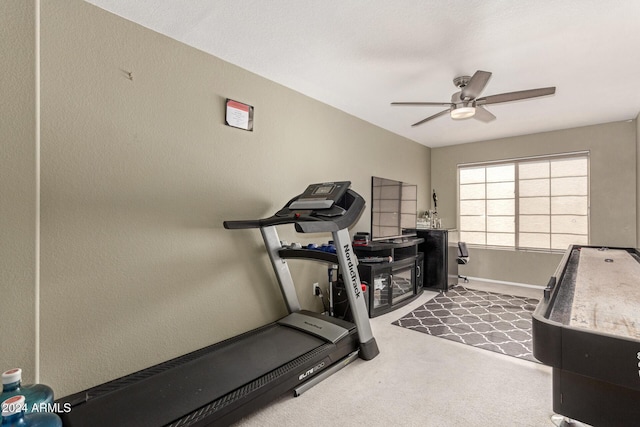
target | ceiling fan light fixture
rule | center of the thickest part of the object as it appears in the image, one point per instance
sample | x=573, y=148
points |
x=460, y=113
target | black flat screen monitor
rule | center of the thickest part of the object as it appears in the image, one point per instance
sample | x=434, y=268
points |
x=394, y=206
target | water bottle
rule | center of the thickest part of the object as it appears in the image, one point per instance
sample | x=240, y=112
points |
x=13, y=415
x=35, y=394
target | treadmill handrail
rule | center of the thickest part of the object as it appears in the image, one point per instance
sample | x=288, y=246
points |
x=306, y=223
x=265, y=222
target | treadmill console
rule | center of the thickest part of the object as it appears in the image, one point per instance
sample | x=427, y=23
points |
x=323, y=207
x=320, y=196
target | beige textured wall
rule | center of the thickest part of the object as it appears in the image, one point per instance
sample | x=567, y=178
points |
x=638, y=181
x=18, y=186
x=138, y=175
x=612, y=185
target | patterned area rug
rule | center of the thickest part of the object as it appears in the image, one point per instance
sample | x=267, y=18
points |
x=492, y=321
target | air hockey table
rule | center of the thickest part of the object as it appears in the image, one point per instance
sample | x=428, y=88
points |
x=587, y=328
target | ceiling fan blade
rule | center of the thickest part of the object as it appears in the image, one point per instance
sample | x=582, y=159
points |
x=476, y=85
x=483, y=114
x=441, y=113
x=434, y=104
x=515, y=96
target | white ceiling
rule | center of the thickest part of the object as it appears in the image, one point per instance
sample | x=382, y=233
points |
x=360, y=55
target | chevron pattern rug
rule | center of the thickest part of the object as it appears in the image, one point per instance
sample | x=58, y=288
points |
x=487, y=320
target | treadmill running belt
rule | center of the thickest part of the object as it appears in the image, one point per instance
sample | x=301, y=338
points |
x=169, y=395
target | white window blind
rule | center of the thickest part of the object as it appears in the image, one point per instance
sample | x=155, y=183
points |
x=540, y=203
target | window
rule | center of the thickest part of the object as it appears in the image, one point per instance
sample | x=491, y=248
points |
x=535, y=203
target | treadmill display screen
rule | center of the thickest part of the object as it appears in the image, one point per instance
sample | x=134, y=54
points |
x=323, y=190
x=320, y=196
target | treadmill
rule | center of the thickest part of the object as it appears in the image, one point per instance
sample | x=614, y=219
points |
x=221, y=383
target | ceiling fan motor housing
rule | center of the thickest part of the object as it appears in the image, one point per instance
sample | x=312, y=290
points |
x=461, y=81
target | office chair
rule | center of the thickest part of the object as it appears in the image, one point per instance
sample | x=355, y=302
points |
x=463, y=258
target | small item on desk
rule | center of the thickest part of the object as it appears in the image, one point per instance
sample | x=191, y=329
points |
x=429, y=220
x=433, y=220
x=421, y=223
x=361, y=238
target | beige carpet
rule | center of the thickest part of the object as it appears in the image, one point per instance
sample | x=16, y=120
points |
x=421, y=380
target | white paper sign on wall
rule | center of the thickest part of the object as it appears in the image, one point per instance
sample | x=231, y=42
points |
x=239, y=115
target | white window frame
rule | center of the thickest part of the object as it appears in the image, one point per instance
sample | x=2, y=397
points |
x=515, y=162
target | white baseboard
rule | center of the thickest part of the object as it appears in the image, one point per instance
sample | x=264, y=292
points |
x=501, y=282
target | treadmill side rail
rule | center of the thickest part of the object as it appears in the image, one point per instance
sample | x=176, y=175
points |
x=325, y=374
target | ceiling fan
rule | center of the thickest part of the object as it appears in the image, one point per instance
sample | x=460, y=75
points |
x=466, y=104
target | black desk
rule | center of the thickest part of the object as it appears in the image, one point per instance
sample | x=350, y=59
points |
x=440, y=259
